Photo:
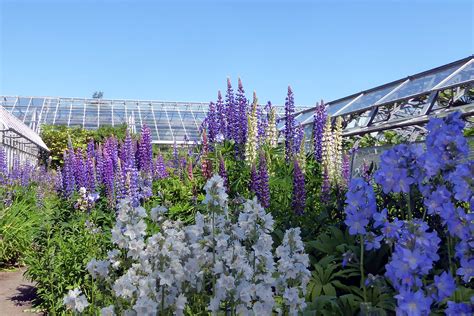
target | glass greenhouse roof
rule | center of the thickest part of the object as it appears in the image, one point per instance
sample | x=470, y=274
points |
x=169, y=121
x=457, y=73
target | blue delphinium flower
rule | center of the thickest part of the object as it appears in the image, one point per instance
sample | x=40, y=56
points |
x=413, y=303
x=372, y=241
x=361, y=206
x=459, y=309
x=414, y=255
x=463, y=181
x=445, y=285
x=466, y=271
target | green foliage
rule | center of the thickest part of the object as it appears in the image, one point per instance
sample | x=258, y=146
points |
x=56, y=137
x=61, y=250
x=19, y=223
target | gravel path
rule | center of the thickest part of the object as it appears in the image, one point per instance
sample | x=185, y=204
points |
x=16, y=294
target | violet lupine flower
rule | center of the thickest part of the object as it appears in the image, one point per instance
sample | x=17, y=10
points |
x=3, y=166
x=263, y=194
x=289, y=124
x=68, y=172
x=131, y=185
x=160, y=169
x=346, y=170
x=90, y=168
x=299, y=191
x=128, y=153
x=262, y=122
x=175, y=156
x=253, y=185
x=99, y=164
x=298, y=138
x=108, y=176
x=79, y=170
x=120, y=188
x=241, y=122
x=223, y=173
x=111, y=146
x=230, y=112
x=145, y=150
x=212, y=123
x=15, y=173
x=318, y=130
x=325, y=187
x=221, y=115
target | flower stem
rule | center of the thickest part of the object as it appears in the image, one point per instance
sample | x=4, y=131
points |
x=362, y=275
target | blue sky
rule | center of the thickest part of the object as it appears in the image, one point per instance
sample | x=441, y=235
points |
x=185, y=50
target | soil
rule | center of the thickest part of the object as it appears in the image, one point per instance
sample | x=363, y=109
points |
x=16, y=294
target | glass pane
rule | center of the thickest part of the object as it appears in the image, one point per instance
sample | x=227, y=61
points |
x=120, y=115
x=334, y=107
x=77, y=113
x=62, y=114
x=369, y=99
x=301, y=118
x=49, y=111
x=105, y=113
x=421, y=84
x=464, y=75
x=91, y=116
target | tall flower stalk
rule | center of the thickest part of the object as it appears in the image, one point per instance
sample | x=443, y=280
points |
x=251, y=144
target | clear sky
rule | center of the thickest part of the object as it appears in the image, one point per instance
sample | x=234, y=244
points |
x=185, y=50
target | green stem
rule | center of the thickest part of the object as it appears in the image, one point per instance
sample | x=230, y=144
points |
x=409, y=204
x=213, y=253
x=449, y=256
x=362, y=275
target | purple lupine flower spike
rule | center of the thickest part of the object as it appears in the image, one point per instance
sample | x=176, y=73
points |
x=212, y=124
x=3, y=166
x=90, y=166
x=325, y=187
x=99, y=163
x=68, y=172
x=318, y=130
x=241, y=122
x=346, y=171
x=230, y=112
x=160, y=169
x=289, y=124
x=128, y=153
x=145, y=150
x=108, y=176
x=264, y=189
x=299, y=191
x=253, y=185
x=223, y=173
x=221, y=115
x=79, y=170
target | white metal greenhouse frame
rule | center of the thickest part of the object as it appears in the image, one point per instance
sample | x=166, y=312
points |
x=18, y=140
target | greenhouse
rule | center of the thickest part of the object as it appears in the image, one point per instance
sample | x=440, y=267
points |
x=404, y=105
x=169, y=121
x=19, y=142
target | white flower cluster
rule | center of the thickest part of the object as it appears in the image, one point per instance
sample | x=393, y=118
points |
x=251, y=144
x=271, y=132
x=216, y=264
x=332, y=150
x=75, y=300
